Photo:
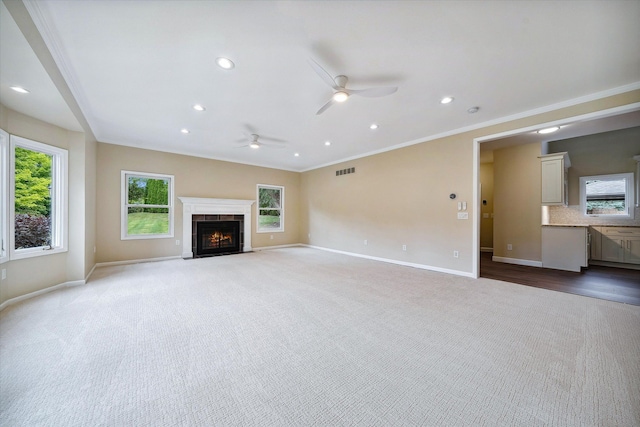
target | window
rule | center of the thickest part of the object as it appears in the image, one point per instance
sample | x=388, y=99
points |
x=270, y=208
x=147, y=205
x=38, y=199
x=4, y=205
x=607, y=195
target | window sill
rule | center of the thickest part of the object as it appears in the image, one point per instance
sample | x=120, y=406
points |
x=35, y=252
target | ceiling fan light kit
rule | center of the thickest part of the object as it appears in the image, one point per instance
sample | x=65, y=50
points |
x=225, y=63
x=341, y=93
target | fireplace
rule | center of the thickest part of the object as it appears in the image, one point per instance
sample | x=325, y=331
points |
x=217, y=237
x=197, y=210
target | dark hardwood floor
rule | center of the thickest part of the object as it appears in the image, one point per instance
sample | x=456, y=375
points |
x=613, y=284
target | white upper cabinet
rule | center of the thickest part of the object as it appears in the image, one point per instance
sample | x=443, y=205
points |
x=555, y=178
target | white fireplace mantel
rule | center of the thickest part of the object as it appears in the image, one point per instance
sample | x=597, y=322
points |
x=205, y=206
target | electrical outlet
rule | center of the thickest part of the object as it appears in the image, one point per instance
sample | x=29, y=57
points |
x=177, y=242
x=404, y=247
x=271, y=236
x=509, y=247
x=309, y=235
x=365, y=242
x=4, y=273
x=455, y=254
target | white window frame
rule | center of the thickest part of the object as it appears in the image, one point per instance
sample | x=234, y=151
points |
x=4, y=196
x=281, y=209
x=628, y=200
x=59, y=199
x=124, y=234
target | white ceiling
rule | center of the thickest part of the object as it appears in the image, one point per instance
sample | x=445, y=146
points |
x=137, y=67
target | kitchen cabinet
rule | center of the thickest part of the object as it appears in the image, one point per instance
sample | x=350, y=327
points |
x=555, y=180
x=620, y=244
x=565, y=248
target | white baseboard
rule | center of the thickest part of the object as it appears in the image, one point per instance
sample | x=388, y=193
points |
x=517, y=261
x=265, y=248
x=40, y=292
x=393, y=261
x=135, y=261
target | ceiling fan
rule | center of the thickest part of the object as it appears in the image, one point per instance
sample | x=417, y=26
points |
x=341, y=93
x=254, y=142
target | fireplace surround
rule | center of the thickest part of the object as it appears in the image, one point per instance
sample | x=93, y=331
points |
x=226, y=209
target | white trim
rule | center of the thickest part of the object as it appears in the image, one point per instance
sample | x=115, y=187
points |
x=5, y=241
x=517, y=261
x=485, y=249
x=86, y=278
x=266, y=248
x=124, y=205
x=59, y=200
x=135, y=261
x=500, y=120
x=476, y=160
x=281, y=208
x=206, y=206
x=393, y=261
x=628, y=195
x=40, y=292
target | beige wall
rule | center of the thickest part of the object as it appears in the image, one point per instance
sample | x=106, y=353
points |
x=600, y=154
x=194, y=177
x=518, y=213
x=486, y=224
x=395, y=198
x=33, y=274
x=401, y=197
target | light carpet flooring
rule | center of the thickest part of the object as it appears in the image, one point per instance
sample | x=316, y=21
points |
x=303, y=337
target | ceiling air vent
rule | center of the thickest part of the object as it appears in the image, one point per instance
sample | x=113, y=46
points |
x=346, y=171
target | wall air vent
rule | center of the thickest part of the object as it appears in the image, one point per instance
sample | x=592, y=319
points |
x=346, y=171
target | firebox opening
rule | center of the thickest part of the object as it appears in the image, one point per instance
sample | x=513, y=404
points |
x=217, y=237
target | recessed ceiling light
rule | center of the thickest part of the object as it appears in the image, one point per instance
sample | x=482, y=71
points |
x=225, y=63
x=473, y=110
x=198, y=107
x=327, y=143
x=297, y=154
x=446, y=100
x=185, y=131
x=549, y=130
x=373, y=126
x=340, y=96
x=19, y=89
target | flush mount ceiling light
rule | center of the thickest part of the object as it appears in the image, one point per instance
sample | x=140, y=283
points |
x=446, y=100
x=473, y=110
x=225, y=63
x=327, y=143
x=297, y=154
x=19, y=89
x=198, y=107
x=185, y=131
x=373, y=126
x=549, y=130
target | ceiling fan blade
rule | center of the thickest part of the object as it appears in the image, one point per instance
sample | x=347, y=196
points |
x=326, y=77
x=275, y=140
x=325, y=106
x=373, y=92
